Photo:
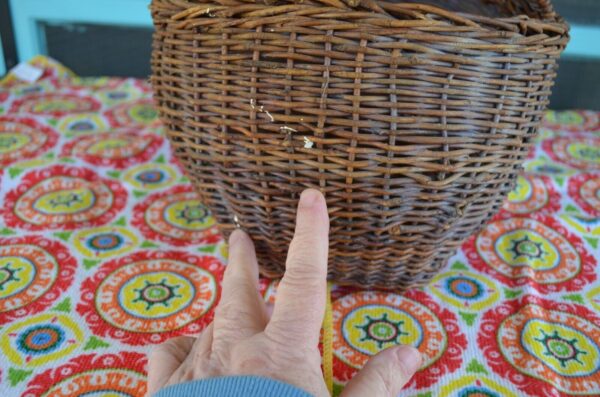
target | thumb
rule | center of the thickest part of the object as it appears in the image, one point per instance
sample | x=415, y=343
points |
x=385, y=374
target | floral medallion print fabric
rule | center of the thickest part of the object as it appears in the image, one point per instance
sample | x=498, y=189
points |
x=106, y=250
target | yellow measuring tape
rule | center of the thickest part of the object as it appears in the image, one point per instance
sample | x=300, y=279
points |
x=328, y=342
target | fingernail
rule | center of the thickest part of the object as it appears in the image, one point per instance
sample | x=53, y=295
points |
x=309, y=197
x=410, y=357
x=235, y=237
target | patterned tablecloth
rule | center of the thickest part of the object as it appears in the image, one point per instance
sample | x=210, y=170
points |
x=105, y=250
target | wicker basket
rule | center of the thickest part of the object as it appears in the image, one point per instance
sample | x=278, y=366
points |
x=411, y=118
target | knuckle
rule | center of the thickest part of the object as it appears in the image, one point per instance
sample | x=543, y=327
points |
x=299, y=275
x=303, y=241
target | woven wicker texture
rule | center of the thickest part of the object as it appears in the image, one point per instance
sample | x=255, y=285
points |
x=412, y=119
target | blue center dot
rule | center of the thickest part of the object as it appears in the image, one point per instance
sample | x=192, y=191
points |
x=82, y=126
x=151, y=176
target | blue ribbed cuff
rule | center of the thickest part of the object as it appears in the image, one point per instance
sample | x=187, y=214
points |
x=233, y=386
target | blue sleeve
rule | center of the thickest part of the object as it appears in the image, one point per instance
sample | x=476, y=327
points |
x=233, y=386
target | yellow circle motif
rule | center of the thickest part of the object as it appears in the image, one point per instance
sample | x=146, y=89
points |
x=563, y=349
x=370, y=329
x=54, y=105
x=528, y=249
x=68, y=201
x=151, y=176
x=82, y=123
x=521, y=192
x=546, y=167
x=90, y=82
x=99, y=148
x=143, y=112
x=113, y=96
x=104, y=242
x=582, y=151
x=565, y=117
x=12, y=141
x=16, y=274
x=40, y=339
x=35, y=163
x=465, y=290
x=189, y=215
x=27, y=89
x=156, y=295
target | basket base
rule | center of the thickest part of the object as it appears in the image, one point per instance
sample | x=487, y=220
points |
x=398, y=273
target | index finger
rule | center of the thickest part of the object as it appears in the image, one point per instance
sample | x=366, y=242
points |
x=300, y=303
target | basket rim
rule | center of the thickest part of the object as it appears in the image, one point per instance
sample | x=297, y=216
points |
x=182, y=11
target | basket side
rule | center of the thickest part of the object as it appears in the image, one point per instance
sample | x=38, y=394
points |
x=414, y=128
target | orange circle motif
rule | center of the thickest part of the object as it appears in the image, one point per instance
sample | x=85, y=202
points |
x=136, y=114
x=571, y=121
x=537, y=251
x=122, y=374
x=120, y=149
x=176, y=216
x=543, y=347
x=61, y=197
x=23, y=138
x=532, y=194
x=150, y=296
x=55, y=104
x=368, y=322
x=578, y=151
x=34, y=271
x=584, y=189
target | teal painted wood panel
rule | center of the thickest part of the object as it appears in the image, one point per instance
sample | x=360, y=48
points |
x=2, y=64
x=585, y=41
x=27, y=14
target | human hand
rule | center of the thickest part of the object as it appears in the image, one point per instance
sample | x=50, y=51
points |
x=243, y=340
